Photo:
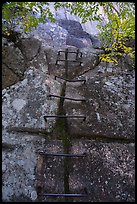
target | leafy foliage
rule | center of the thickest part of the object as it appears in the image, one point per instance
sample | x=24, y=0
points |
x=114, y=34
x=22, y=13
x=118, y=31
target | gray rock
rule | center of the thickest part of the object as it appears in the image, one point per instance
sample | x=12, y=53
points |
x=27, y=103
x=108, y=169
x=8, y=77
x=89, y=61
x=105, y=107
x=107, y=172
x=73, y=27
x=78, y=42
x=30, y=48
x=33, y=195
x=13, y=64
x=76, y=34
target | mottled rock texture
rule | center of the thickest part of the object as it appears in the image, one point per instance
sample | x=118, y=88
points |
x=109, y=106
x=106, y=136
x=24, y=105
x=14, y=64
x=107, y=171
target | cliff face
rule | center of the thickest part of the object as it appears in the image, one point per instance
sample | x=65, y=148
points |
x=105, y=98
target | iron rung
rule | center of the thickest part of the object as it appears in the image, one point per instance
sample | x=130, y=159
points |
x=64, y=195
x=71, y=52
x=74, y=99
x=77, y=53
x=77, y=80
x=64, y=155
x=68, y=60
x=64, y=116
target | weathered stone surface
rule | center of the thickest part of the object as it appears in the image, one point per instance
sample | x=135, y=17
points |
x=109, y=108
x=40, y=61
x=25, y=103
x=89, y=61
x=8, y=77
x=17, y=60
x=73, y=27
x=13, y=58
x=20, y=172
x=64, y=32
x=50, y=34
x=107, y=172
x=78, y=42
x=76, y=34
x=53, y=170
x=30, y=48
x=19, y=166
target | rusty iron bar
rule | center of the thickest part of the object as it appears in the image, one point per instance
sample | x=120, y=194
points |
x=76, y=80
x=62, y=155
x=77, y=53
x=66, y=58
x=64, y=116
x=73, y=99
x=68, y=61
x=71, y=52
x=63, y=195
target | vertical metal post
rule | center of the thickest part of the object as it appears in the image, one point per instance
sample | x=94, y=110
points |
x=66, y=63
x=77, y=54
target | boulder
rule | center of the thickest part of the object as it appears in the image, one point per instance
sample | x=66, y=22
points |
x=16, y=59
x=8, y=77
x=30, y=48
x=12, y=62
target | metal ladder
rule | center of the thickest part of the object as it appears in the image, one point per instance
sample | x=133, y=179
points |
x=44, y=154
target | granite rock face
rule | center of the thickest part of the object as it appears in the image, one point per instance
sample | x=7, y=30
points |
x=107, y=171
x=77, y=36
x=50, y=33
x=26, y=102
x=89, y=60
x=109, y=107
x=109, y=111
x=63, y=32
x=13, y=64
x=106, y=136
x=30, y=48
x=18, y=165
x=8, y=77
x=16, y=59
x=24, y=105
